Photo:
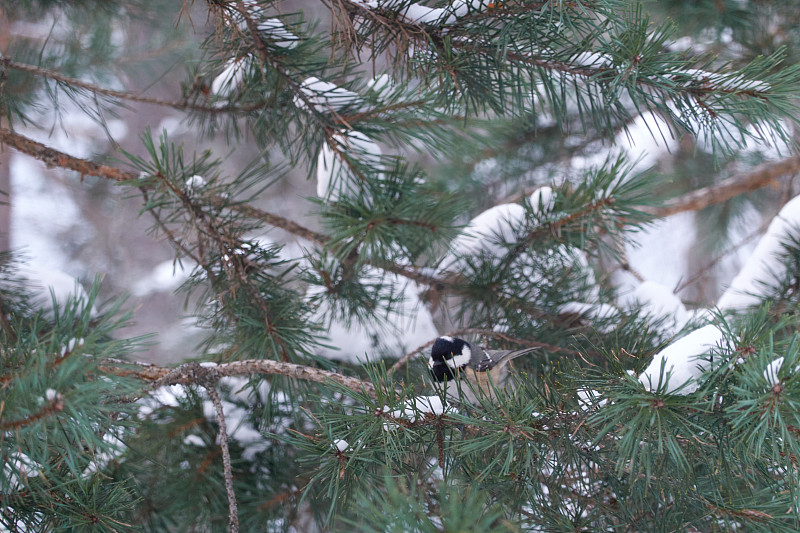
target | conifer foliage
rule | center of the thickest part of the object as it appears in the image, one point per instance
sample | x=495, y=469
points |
x=308, y=405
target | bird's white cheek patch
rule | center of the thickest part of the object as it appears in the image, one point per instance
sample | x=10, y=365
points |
x=459, y=360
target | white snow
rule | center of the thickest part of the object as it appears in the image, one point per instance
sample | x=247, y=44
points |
x=239, y=427
x=646, y=140
x=592, y=59
x=764, y=266
x=419, y=406
x=542, y=200
x=194, y=440
x=771, y=372
x=459, y=8
x=169, y=395
x=681, y=365
x=595, y=312
x=657, y=301
x=380, y=83
x=231, y=77
x=16, y=464
x=195, y=184
x=587, y=398
x=341, y=444
x=325, y=96
x=487, y=231
x=334, y=176
x=45, y=221
x=666, y=244
x=44, y=284
x=165, y=276
x=277, y=33
x=407, y=326
x=423, y=14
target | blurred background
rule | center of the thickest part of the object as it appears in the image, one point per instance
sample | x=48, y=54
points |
x=67, y=228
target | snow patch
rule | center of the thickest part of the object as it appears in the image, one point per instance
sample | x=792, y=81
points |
x=335, y=177
x=408, y=325
x=680, y=361
x=324, y=96
x=765, y=265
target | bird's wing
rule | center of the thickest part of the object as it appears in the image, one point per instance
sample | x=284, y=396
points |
x=494, y=358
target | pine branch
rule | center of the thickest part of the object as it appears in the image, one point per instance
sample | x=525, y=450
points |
x=759, y=177
x=54, y=158
x=124, y=95
x=195, y=373
x=233, y=514
x=55, y=406
x=279, y=222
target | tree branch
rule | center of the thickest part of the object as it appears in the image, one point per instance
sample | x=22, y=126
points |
x=195, y=373
x=233, y=513
x=54, y=158
x=280, y=222
x=123, y=95
x=761, y=176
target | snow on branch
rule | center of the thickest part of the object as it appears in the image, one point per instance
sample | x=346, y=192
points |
x=415, y=13
x=335, y=173
x=765, y=265
x=676, y=368
x=324, y=96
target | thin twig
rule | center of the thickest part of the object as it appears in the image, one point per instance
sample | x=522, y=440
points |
x=711, y=264
x=124, y=95
x=280, y=222
x=233, y=514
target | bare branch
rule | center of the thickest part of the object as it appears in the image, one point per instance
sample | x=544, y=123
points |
x=233, y=513
x=761, y=176
x=194, y=373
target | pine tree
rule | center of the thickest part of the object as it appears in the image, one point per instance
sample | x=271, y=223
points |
x=633, y=414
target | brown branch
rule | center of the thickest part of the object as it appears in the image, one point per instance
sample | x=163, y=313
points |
x=194, y=373
x=233, y=514
x=54, y=158
x=55, y=406
x=280, y=222
x=759, y=177
x=123, y=95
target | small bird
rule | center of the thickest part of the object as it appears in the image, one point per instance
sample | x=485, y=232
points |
x=454, y=359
